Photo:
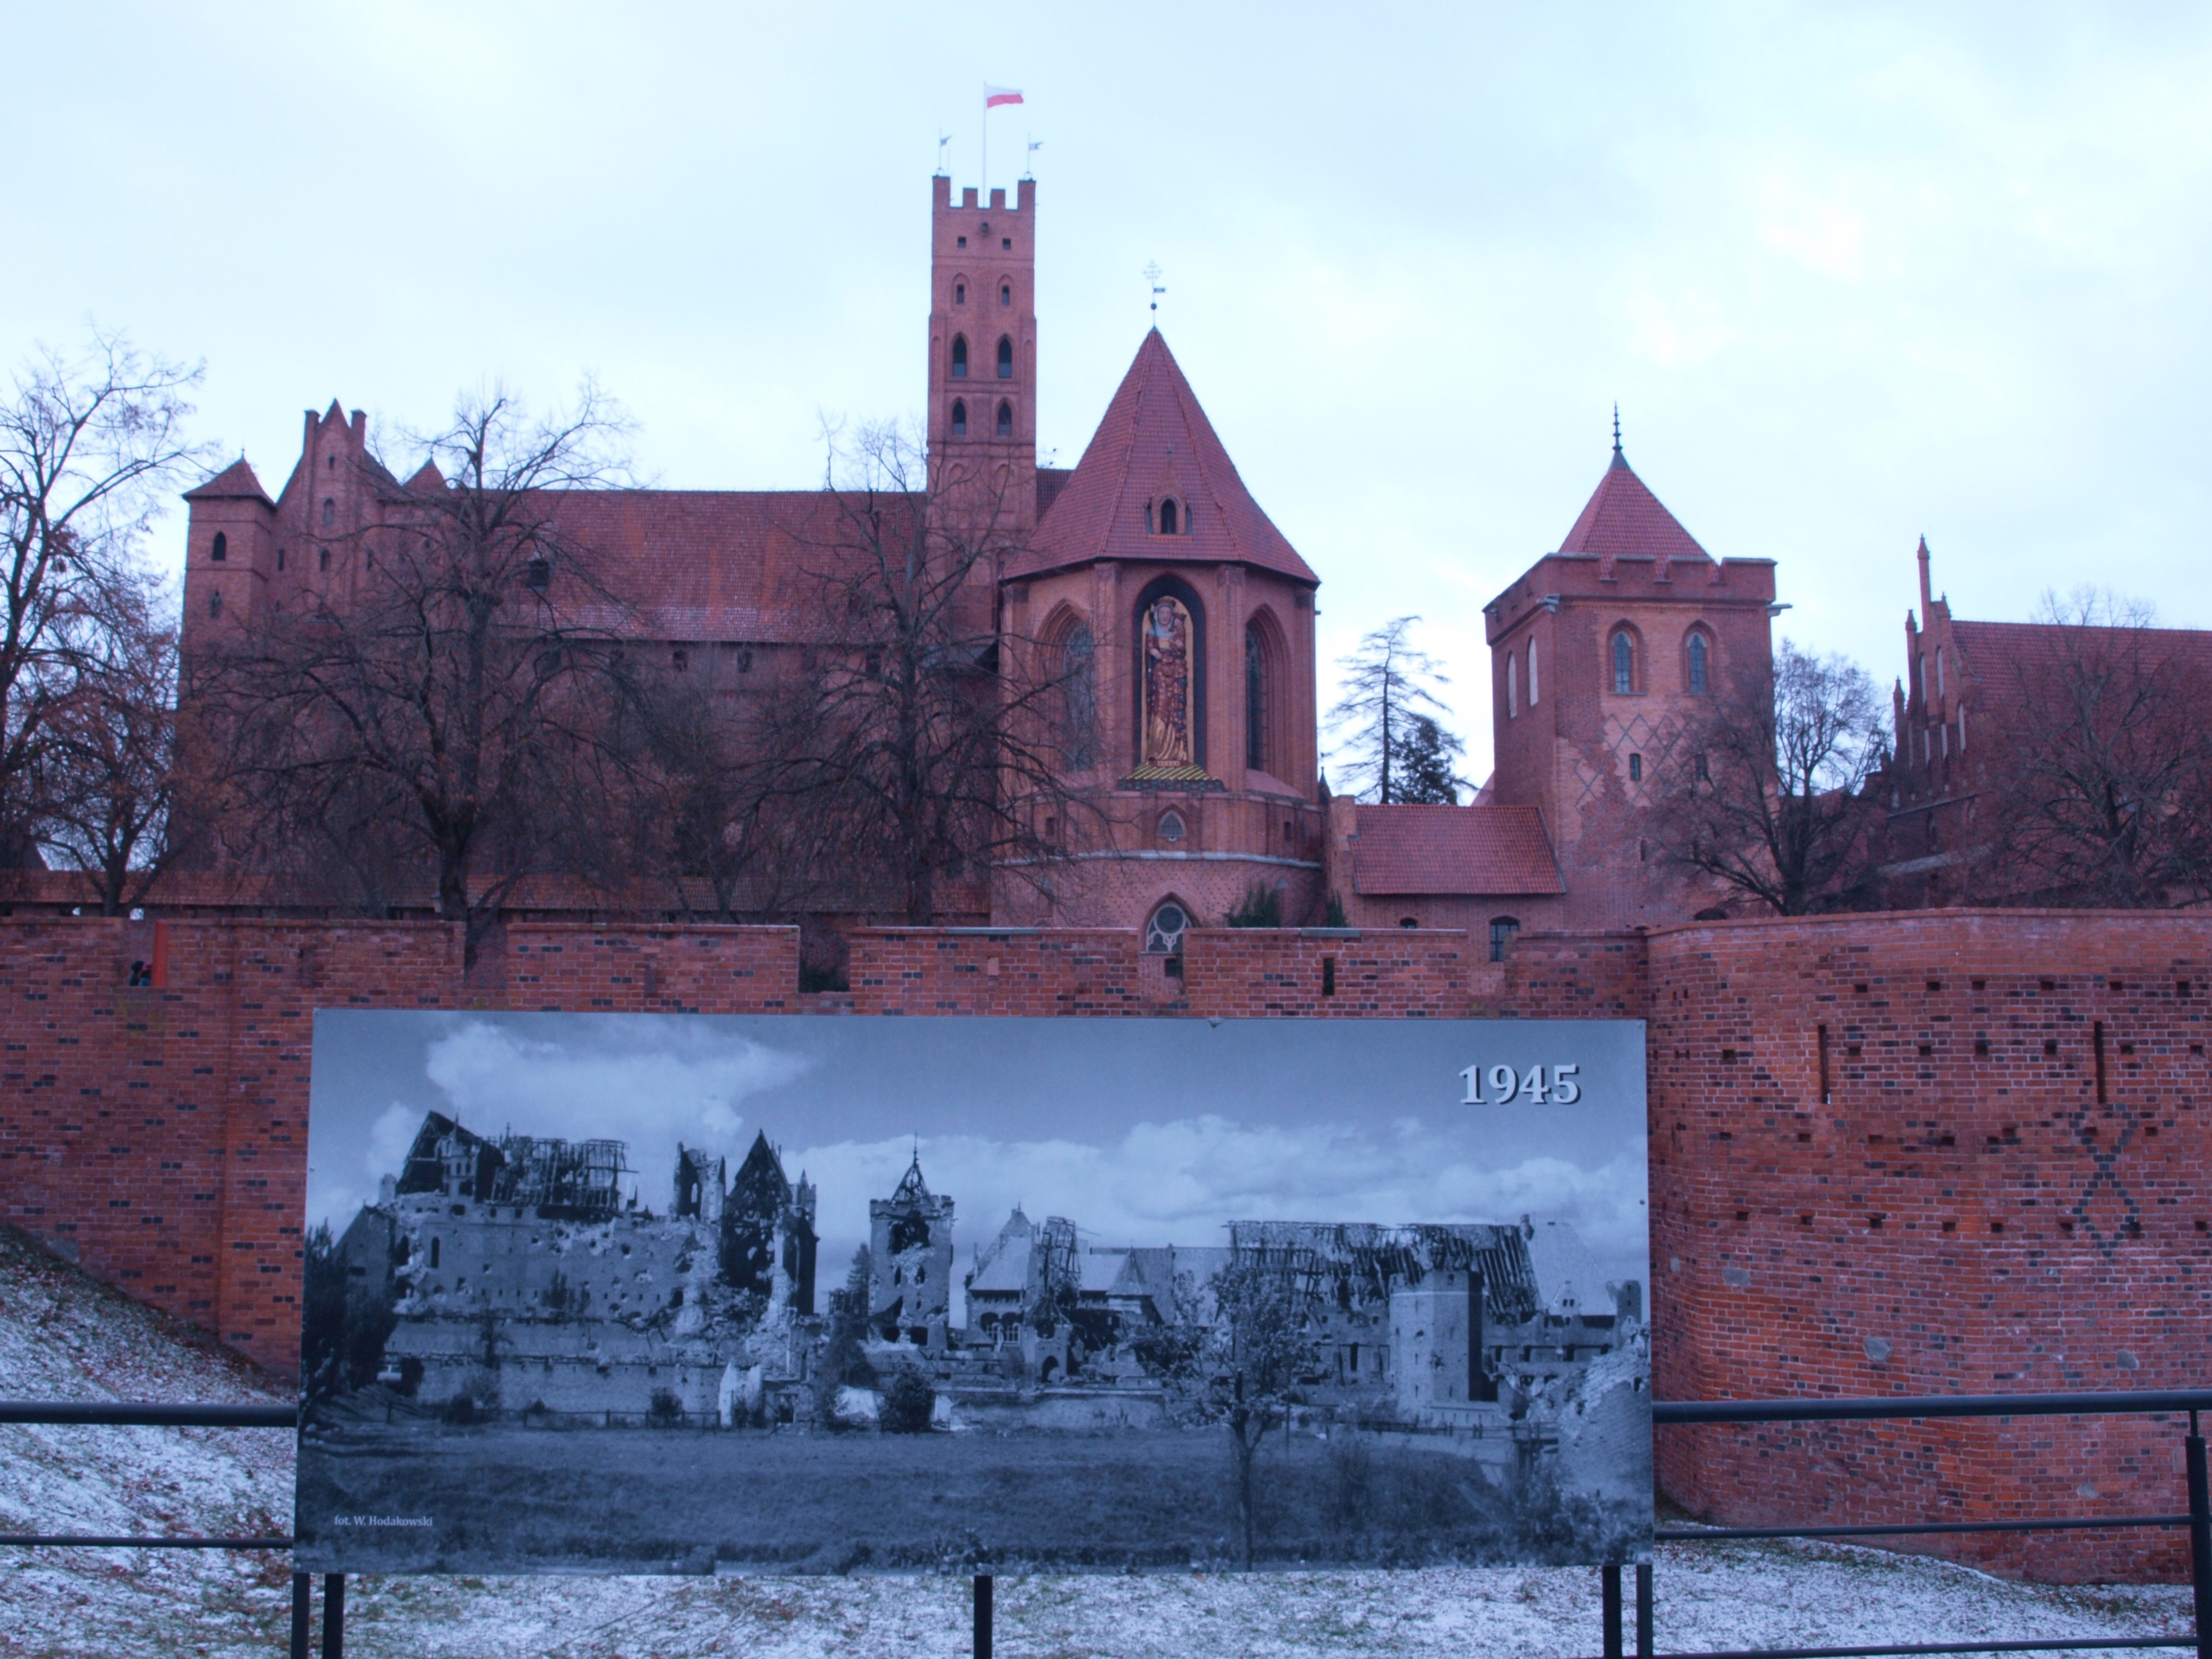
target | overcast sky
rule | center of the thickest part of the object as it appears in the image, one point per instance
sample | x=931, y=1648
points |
x=1853, y=273
x=1141, y=1131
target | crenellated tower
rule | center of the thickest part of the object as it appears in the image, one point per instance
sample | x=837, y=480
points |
x=982, y=405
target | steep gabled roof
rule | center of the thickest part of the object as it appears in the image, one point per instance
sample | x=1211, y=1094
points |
x=235, y=482
x=1623, y=520
x=1155, y=440
x=1453, y=849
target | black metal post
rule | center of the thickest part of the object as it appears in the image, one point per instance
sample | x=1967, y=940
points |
x=302, y=1614
x=334, y=1616
x=982, y=1615
x=1609, y=1576
x=2200, y=1539
x=1644, y=1611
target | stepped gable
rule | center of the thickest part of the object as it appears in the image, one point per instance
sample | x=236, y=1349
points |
x=1623, y=520
x=235, y=482
x=1453, y=849
x=1156, y=440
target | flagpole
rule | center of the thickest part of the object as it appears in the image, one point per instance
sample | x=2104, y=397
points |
x=986, y=179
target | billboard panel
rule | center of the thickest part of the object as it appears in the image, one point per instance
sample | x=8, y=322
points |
x=641, y=1293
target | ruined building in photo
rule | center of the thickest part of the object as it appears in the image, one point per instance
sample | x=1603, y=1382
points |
x=521, y=1276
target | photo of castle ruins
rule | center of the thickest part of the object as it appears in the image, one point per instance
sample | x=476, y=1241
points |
x=519, y=1348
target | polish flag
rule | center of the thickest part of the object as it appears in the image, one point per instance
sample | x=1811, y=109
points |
x=994, y=96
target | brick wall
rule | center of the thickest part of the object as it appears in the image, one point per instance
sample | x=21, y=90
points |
x=1977, y=1202
x=1961, y=1213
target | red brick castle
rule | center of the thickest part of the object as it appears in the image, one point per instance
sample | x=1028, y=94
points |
x=1151, y=577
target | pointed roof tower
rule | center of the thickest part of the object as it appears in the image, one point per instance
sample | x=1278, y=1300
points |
x=1156, y=442
x=235, y=482
x=1623, y=519
x=912, y=1187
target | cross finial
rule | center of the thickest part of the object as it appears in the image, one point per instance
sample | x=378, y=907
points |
x=1152, y=275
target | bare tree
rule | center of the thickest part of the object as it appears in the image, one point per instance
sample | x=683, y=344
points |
x=89, y=448
x=1392, y=742
x=1260, y=1325
x=713, y=803
x=2102, y=762
x=926, y=744
x=108, y=769
x=449, y=715
x=1763, y=797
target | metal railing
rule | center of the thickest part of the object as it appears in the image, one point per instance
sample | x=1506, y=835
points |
x=1664, y=1414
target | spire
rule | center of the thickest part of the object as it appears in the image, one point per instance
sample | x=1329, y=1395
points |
x=1926, y=596
x=1619, y=459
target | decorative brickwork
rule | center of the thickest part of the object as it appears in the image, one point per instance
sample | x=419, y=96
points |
x=1995, y=1180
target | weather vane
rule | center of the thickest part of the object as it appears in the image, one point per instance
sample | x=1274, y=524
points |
x=1030, y=171
x=1152, y=274
x=943, y=139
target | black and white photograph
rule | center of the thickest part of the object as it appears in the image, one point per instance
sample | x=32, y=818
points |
x=636, y=1293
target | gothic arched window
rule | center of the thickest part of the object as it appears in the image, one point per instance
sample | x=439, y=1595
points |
x=1005, y=420
x=960, y=293
x=1163, y=934
x=1006, y=357
x=329, y=511
x=1005, y=293
x=1078, y=694
x=1512, y=696
x=1167, y=526
x=221, y=551
x=1699, y=675
x=1256, y=699
x=960, y=357
x=1532, y=673
x=959, y=419
x=1624, y=663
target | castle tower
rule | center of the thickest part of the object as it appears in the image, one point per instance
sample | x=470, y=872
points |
x=1604, y=657
x=910, y=1245
x=982, y=399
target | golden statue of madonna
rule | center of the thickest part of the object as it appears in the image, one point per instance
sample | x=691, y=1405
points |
x=1167, y=684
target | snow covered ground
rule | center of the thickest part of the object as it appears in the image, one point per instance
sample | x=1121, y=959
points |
x=63, y=1337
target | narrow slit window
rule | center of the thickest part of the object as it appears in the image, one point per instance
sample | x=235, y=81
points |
x=1167, y=517
x=1624, y=664
x=1005, y=420
x=959, y=418
x=1532, y=673
x=1697, y=665
x=1005, y=359
x=960, y=357
x=1512, y=703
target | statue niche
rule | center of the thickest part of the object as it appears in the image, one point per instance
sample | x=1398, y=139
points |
x=1169, y=650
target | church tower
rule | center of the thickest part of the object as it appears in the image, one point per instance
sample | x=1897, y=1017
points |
x=983, y=408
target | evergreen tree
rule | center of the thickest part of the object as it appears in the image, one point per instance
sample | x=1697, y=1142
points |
x=1386, y=703
x=1422, y=770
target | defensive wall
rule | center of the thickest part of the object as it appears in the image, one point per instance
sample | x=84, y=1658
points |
x=1940, y=1152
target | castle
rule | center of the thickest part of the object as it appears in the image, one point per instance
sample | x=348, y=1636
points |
x=1180, y=618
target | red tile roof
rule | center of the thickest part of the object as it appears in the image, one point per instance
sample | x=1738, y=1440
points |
x=233, y=482
x=1622, y=519
x=1155, y=440
x=1453, y=849
x=735, y=565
